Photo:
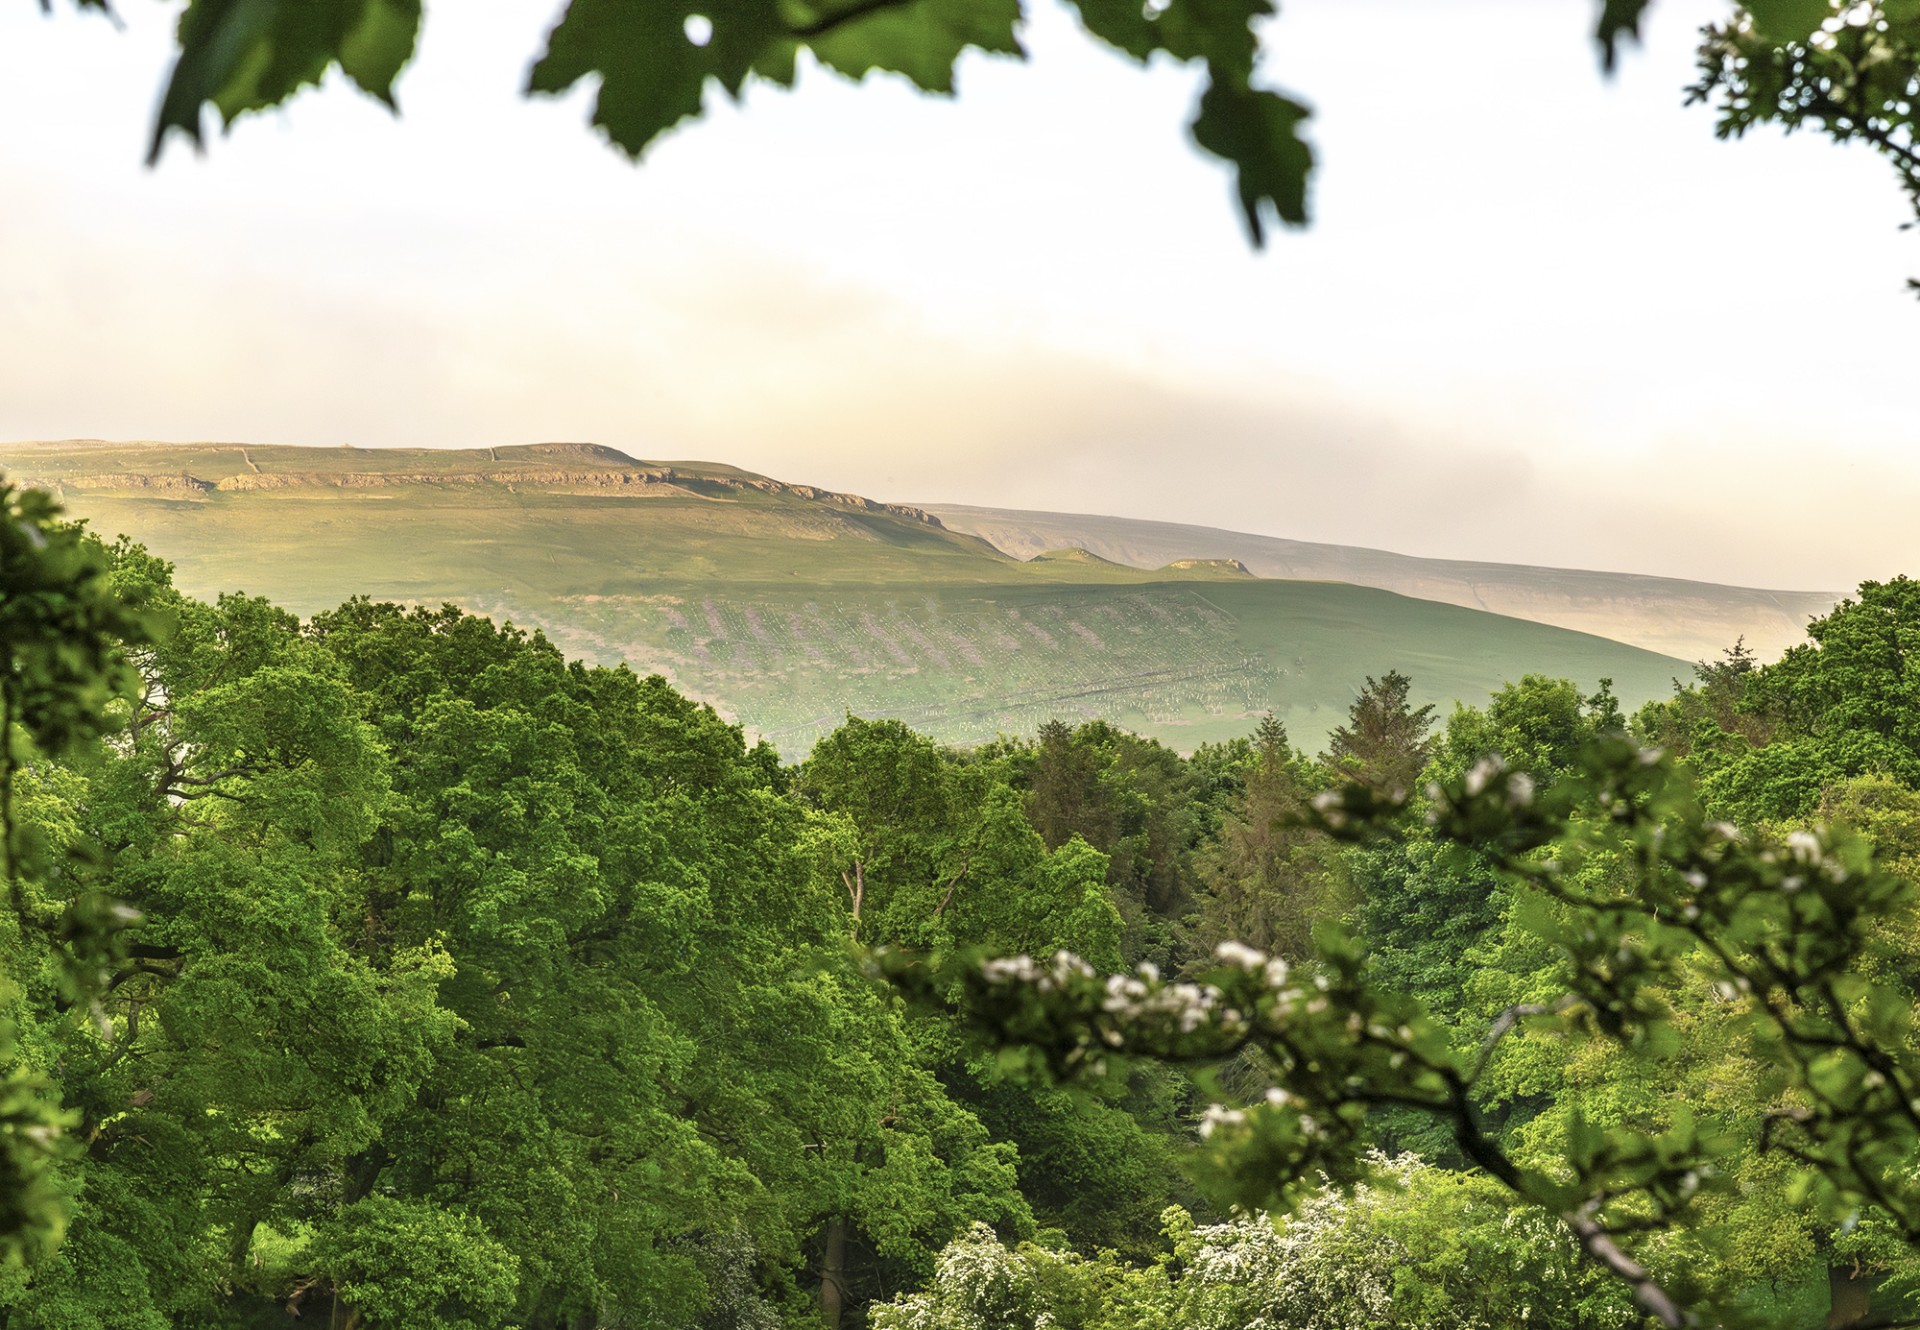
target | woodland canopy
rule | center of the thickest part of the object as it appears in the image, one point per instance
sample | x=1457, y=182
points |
x=390, y=967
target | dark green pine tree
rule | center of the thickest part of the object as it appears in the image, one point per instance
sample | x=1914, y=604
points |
x=1385, y=742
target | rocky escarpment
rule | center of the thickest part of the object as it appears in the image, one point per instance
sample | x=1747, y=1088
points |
x=513, y=472
x=182, y=486
x=345, y=480
x=353, y=480
x=815, y=493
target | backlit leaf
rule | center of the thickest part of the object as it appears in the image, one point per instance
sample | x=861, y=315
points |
x=247, y=55
x=1787, y=20
x=1618, y=19
x=1259, y=132
x=379, y=46
x=920, y=40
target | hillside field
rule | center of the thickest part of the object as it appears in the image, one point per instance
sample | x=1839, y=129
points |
x=788, y=606
x=1670, y=615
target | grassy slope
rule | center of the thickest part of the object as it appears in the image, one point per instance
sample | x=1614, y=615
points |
x=1693, y=620
x=789, y=608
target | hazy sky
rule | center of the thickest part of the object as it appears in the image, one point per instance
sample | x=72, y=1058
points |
x=1541, y=317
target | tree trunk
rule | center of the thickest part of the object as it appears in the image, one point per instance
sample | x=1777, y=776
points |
x=856, y=890
x=1849, y=1296
x=833, y=1274
x=363, y=1170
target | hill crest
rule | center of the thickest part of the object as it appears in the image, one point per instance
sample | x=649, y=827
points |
x=192, y=471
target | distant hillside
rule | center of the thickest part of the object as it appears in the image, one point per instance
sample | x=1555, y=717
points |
x=1693, y=620
x=788, y=606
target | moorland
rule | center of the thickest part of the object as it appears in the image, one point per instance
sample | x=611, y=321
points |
x=789, y=607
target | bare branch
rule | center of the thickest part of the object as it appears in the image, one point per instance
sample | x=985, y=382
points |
x=125, y=1044
x=1598, y=1244
x=1505, y=1023
x=952, y=883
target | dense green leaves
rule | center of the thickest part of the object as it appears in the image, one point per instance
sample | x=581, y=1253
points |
x=63, y=636
x=921, y=39
x=1384, y=743
x=472, y=986
x=61, y=628
x=1422, y=1248
x=450, y=982
x=1270, y=877
x=1648, y=908
x=403, y=1264
x=1787, y=20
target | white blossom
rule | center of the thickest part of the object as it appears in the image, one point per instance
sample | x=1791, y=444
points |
x=1240, y=956
x=1483, y=771
x=1218, y=1116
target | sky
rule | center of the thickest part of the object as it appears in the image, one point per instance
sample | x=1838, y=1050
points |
x=1541, y=316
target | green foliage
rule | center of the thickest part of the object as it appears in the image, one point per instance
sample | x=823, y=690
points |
x=1424, y=906
x=654, y=59
x=1768, y=740
x=401, y=1263
x=1652, y=897
x=1537, y=726
x=32, y=1217
x=1384, y=743
x=1426, y=901
x=1135, y=802
x=1850, y=71
x=1420, y=1247
x=61, y=627
x=1859, y=676
x=1619, y=19
x=1078, y=913
x=1712, y=714
x=62, y=633
x=1096, y=1168
x=653, y=68
x=249, y=55
x=455, y=983
x=1269, y=876
x=476, y=986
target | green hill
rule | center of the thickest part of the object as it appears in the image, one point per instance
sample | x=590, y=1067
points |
x=1693, y=620
x=788, y=606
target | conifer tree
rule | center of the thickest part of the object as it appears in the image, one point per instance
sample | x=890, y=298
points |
x=1384, y=743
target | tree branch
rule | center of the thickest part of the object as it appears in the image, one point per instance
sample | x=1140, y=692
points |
x=856, y=887
x=125, y=1044
x=952, y=883
x=1599, y=1245
x=1505, y=1023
